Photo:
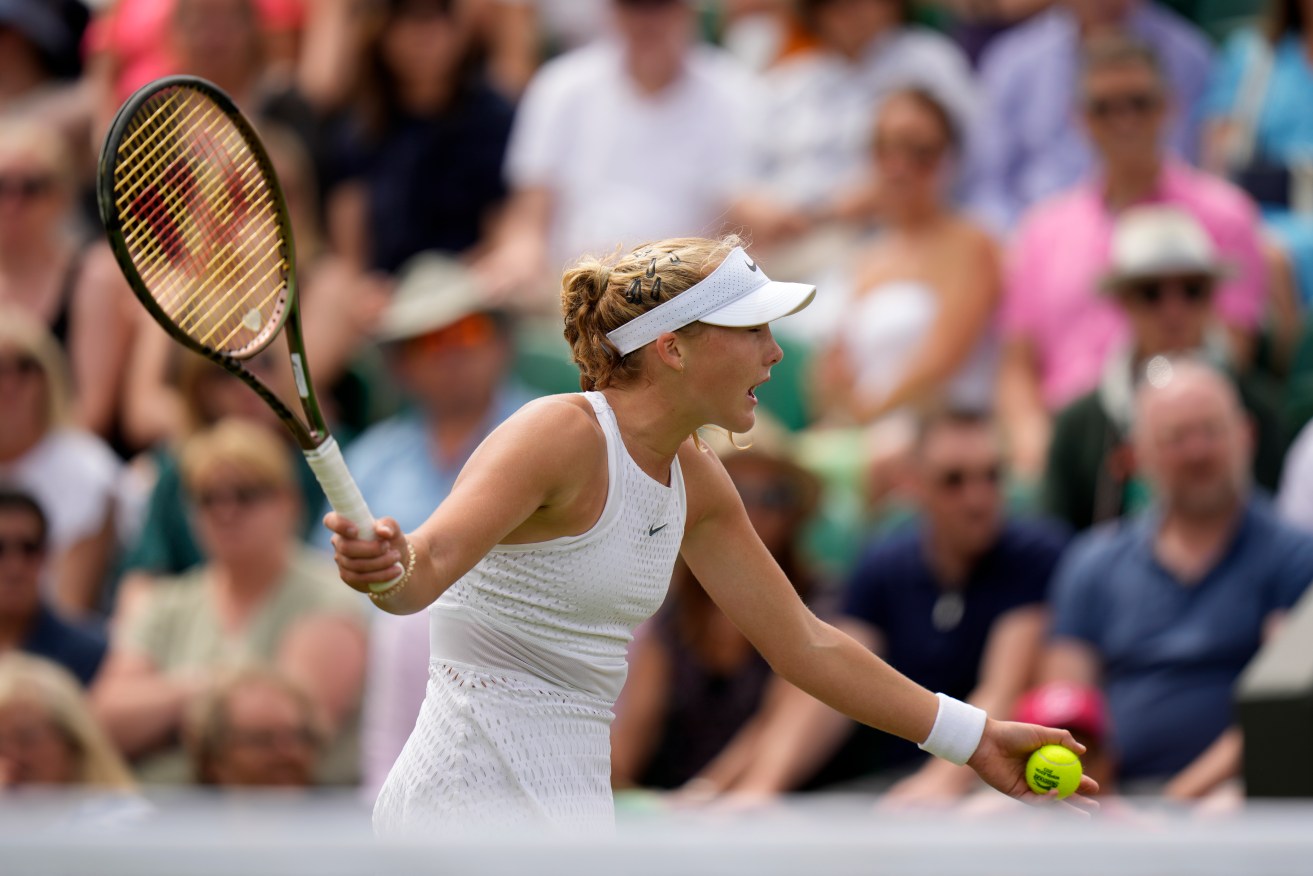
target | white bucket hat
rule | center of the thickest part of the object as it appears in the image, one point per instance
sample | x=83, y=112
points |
x=1160, y=241
x=737, y=294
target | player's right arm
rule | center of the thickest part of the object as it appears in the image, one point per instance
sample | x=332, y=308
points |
x=536, y=477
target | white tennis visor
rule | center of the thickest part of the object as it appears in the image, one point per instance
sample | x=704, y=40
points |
x=736, y=295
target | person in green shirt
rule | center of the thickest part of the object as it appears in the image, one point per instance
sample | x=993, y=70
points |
x=260, y=597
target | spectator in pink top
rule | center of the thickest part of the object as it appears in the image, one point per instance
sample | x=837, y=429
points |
x=1057, y=328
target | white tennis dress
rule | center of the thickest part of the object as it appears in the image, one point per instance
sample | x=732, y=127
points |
x=527, y=657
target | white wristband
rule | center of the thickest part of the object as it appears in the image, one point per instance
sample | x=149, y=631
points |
x=957, y=731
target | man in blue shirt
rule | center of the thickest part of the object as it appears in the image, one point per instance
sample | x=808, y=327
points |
x=1165, y=610
x=27, y=622
x=955, y=602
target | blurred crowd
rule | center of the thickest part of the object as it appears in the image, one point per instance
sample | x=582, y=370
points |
x=1041, y=441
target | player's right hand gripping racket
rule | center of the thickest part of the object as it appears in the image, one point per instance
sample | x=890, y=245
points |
x=198, y=223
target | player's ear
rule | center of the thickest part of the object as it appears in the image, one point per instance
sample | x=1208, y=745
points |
x=668, y=351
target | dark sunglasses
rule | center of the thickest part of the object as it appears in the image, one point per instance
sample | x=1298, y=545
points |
x=25, y=188
x=921, y=155
x=1139, y=104
x=19, y=366
x=954, y=479
x=27, y=548
x=240, y=497
x=1195, y=290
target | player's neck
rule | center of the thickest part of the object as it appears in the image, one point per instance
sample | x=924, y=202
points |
x=652, y=430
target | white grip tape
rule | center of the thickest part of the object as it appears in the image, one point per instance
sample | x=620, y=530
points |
x=957, y=730
x=330, y=470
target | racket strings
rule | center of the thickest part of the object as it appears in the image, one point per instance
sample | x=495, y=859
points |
x=201, y=221
x=214, y=273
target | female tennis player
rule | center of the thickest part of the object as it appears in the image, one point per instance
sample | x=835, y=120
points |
x=560, y=536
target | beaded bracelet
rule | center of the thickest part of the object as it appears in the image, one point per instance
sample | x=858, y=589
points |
x=400, y=582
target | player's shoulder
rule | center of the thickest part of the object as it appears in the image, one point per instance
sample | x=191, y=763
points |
x=555, y=426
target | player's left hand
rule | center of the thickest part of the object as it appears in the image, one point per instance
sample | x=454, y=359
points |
x=1000, y=760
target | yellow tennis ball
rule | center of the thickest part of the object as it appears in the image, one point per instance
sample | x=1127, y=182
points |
x=1053, y=766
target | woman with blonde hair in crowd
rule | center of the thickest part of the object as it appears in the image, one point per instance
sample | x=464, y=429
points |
x=70, y=472
x=259, y=596
x=48, y=735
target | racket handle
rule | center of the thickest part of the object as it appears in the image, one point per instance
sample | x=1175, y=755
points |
x=330, y=470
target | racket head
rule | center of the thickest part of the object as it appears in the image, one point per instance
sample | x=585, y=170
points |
x=196, y=218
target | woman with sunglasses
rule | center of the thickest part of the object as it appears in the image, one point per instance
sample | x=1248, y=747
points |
x=924, y=291
x=559, y=538
x=259, y=596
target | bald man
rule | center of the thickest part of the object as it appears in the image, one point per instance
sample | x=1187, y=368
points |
x=1164, y=610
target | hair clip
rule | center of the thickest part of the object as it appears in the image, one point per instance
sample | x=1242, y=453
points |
x=634, y=294
x=651, y=269
x=656, y=289
x=674, y=259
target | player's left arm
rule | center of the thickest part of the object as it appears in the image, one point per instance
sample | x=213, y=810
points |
x=738, y=572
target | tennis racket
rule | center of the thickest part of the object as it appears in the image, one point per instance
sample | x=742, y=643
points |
x=197, y=221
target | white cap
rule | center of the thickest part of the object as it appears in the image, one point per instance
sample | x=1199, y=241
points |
x=736, y=294
x=1158, y=241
